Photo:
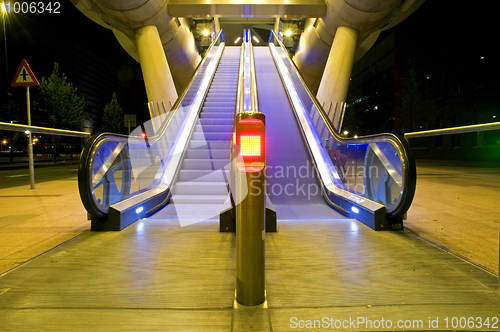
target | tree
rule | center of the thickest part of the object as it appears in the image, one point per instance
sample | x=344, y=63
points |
x=410, y=95
x=370, y=107
x=11, y=112
x=61, y=106
x=113, y=116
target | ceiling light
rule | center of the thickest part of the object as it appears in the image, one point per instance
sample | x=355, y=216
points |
x=255, y=38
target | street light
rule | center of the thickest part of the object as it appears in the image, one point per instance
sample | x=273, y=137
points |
x=4, y=18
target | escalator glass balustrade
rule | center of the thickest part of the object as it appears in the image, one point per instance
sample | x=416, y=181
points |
x=124, y=178
x=371, y=177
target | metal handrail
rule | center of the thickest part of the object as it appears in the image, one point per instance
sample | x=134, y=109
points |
x=42, y=130
x=240, y=88
x=253, y=81
x=454, y=130
x=179, y=100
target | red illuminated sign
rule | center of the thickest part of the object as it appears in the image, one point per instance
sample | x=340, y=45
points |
x=250, y=137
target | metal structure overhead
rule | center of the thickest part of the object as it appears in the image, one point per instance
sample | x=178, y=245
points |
x=245, y=9
x=319, y=22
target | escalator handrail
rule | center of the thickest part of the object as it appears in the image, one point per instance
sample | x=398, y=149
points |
x=240, y=87
x=402, y=146
x=253, y=81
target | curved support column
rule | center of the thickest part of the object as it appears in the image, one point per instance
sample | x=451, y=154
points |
x=155, y=70
x=335, y=81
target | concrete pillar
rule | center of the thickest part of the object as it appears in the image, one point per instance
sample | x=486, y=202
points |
x=335, y=81
x=155, y=71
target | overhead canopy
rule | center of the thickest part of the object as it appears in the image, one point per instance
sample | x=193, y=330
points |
x=247, y=8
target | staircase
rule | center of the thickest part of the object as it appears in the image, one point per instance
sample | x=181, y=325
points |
x=198, y=181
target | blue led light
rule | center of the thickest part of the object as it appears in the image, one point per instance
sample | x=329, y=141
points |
x=139, y=209
x=354, y=209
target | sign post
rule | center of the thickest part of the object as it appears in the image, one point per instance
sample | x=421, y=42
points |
x=25, y=77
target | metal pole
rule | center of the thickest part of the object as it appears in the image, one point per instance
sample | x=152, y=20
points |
x=250, y=210
x=250, y=239
x=30, y=142
x=6, y=58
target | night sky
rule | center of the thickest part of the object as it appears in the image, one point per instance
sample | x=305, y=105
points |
x=468, y=29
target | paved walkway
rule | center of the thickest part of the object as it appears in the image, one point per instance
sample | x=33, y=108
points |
x=155, y=275
x=456, y=206
x=34, y=221
x=464, y=217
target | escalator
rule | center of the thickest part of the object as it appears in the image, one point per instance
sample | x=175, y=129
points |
x=292, y=183
x=201, y=188
x=188, y=153
x=209, y=146
x=312, y=168
x=177, y=157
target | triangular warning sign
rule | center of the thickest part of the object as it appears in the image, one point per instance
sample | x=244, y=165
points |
x=24, y=76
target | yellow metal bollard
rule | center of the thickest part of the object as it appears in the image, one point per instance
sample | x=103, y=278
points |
x=250, y=211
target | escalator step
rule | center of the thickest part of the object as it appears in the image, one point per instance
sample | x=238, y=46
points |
x=205, y=153
x=201, y=175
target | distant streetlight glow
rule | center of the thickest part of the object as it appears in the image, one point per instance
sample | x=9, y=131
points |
x=4, y=18
x=346, y=132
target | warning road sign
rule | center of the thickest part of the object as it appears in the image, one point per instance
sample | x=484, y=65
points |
x=24, y=76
